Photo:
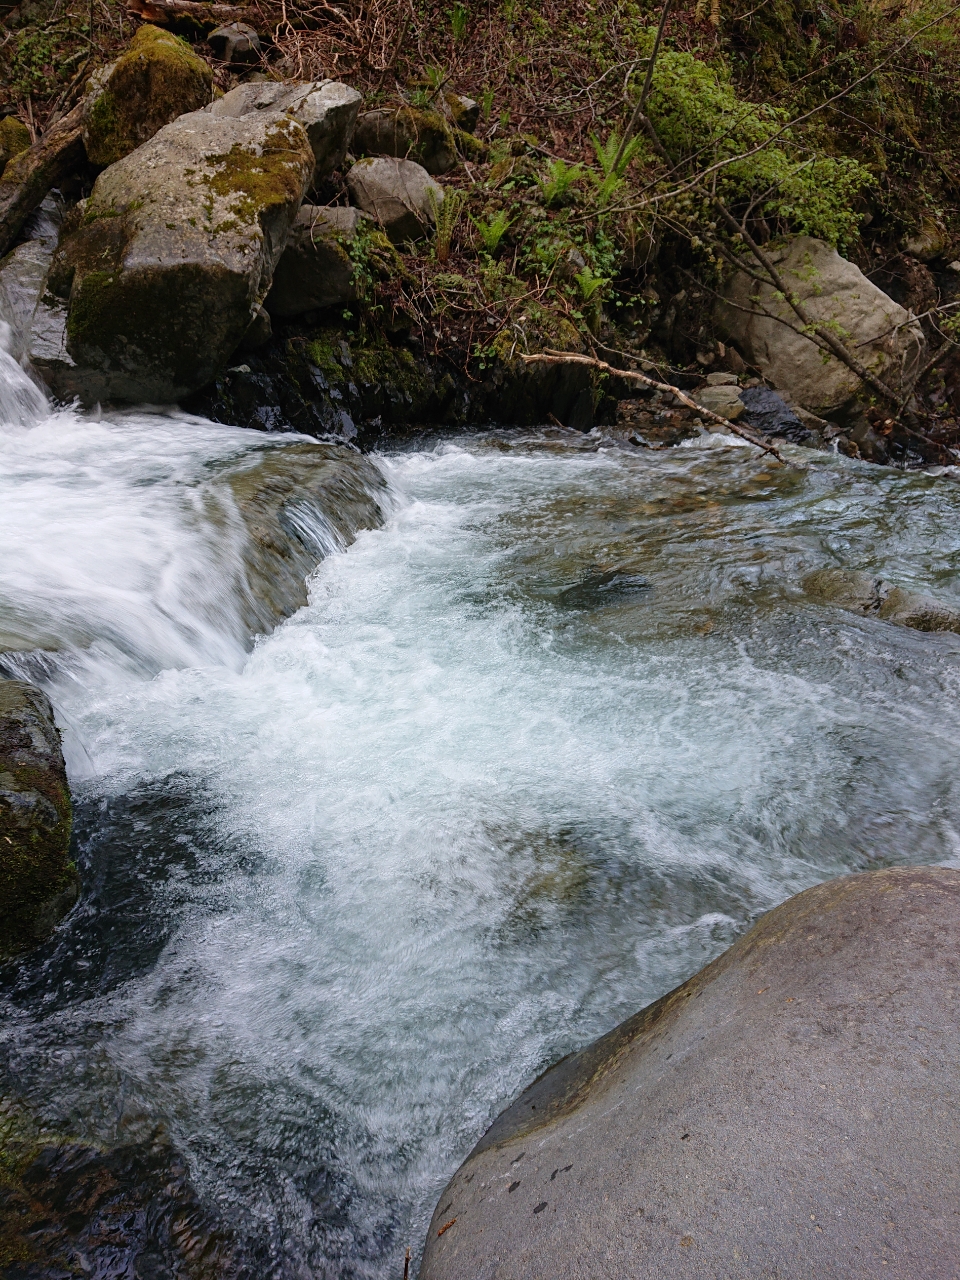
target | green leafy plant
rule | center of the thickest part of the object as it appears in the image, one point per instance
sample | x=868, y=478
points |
x=486, y=103
x=492, y=232
x=446, y=213
x=590, y=284
x=459, y=16
x=612, y=164
x=557, y=181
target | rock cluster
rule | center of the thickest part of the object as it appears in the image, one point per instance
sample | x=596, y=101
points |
x=792, y=1110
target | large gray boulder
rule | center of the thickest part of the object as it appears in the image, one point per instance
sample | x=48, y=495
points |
x=326, y=109
x=316, y=270
x=37, y=881
x=884, y=337
x=793, y=1111
x=174, y=255
x=400, y=194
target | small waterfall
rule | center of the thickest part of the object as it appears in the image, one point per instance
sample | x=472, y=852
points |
x=22, y=403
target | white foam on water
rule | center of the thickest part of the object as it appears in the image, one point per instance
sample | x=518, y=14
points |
x=477, y=826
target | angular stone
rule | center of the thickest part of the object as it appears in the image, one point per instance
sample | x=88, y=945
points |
x=326, y=109
x=158, y=78
x=407, y=134
x=792, y=1110
x=398, y=194
x=723, y=400
x=464, y=112
x=235, y=43
x=175, y=254
x=316, y=270
x=37, y=881
x=835, y=292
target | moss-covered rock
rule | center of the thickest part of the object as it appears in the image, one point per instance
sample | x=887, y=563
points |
x=175, y=253
x=14, y=138
x=37, y=880
x=407, y=133
x=157, y=79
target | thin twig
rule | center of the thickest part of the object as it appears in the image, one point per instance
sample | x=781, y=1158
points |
x=564, y=357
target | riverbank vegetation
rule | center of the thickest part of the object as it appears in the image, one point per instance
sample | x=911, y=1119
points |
x=625, y=158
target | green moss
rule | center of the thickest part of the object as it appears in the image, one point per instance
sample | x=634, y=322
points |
x=157, y=79
x=257, y=179
x=14, y=139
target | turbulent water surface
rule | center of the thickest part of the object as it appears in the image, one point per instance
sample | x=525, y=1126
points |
x=533, y=753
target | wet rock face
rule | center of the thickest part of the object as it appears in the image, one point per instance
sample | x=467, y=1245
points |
x=173, y=256
x=835, y=292
x=298, y=504
x=791, y=1110
x=157, y=79
x=37, y=881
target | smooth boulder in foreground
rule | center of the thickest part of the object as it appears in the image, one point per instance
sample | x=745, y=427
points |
x=37, y=881
x=793, y=1110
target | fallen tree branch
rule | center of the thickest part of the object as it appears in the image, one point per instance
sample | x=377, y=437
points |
x=160, y=10
x=566, y=357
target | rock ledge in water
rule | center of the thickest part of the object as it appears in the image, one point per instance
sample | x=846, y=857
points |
x=37, y=881
x=793, y=1110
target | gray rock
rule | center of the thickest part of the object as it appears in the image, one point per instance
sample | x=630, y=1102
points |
x=398, y=194
x=38, y=883
x=316, y=270
x=174, y=255
x=793, y=1110
x=928, y=243
x=884, y=336
x=407, y=133
x=235, y=43
x=326, y=109
x=464, y=112
x=869, y=595
x=722, y=380
x=723, y=400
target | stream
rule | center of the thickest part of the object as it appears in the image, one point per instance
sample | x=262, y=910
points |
x=536, y=750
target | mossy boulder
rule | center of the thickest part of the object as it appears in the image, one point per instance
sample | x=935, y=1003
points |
x=38, y=883
x=174, y=255
x=158, y=78
x=407, y=133
x=326, y=109
x=14, y=138
x=791, y=1110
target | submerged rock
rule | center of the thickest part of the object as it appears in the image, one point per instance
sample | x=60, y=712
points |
x=298, y=504
x=158, y=78
x=38, y=883
x=866, y=594
x=793, y=1109
x=835, y=292
x=326, y=109
x=400, y=194
x=173, y=257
